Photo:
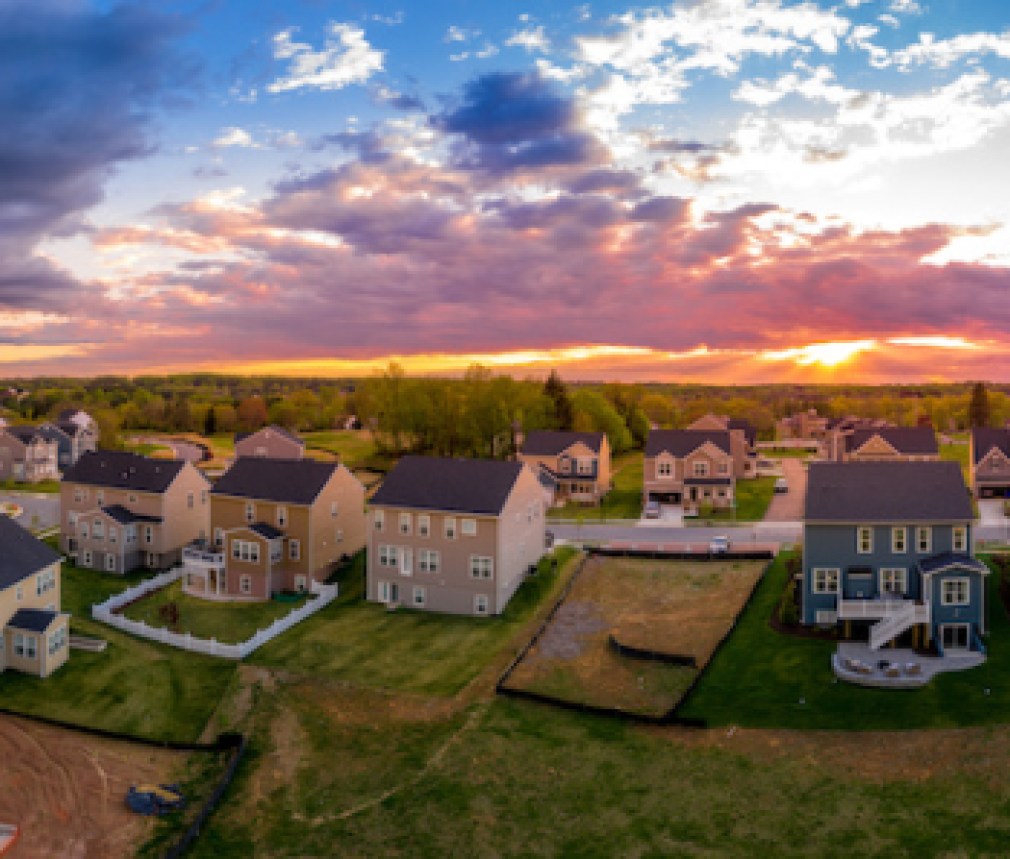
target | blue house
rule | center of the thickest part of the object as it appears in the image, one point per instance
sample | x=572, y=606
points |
x=887, y=553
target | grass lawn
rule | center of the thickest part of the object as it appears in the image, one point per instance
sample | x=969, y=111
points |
x=133, y=686
x=752, y=499
x=957, y=452
x=352, y=447
x=228, y=622
x=624, y=501
x=762, y=678
x=50, y=487
x=414, y=651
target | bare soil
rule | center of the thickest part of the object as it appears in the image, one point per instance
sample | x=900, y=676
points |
x=66, y=790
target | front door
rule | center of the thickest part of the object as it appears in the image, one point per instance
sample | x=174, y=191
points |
x=955, y=636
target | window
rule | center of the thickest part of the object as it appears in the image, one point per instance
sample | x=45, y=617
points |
x=924, y=539
x=427, y=561
x=190, y=500
x=334, y=508
x=45, y=581
x=723, y=468
x=587, y=466
x=339, y=537
x=955, y=592
x=419, y=597
x=84, y=530
x=219, y=536
x=72, y=520
x=245, y=550
x=282, y=517
x=24, y=645
x=480, y=604
x=405, y=523
x=388, y=556
x=79, y=494
x=864, y=540
x=379, y=518
x=423, y=526
x=131, y=533
x=58, y=640
x=250, y=511
x=664, y=468
x=959, y=538
x=893, y=580
x=468, y=527
x=100, y=497
x=113, y=534
x=700, y=468
x=245, y=584
x=450, y=528
x=132, y=498
x=825, y=581
x=899, y=537
x=564, y=465
x=481, y=567
x=203, y=497
x=148, y=534
x=110, y=562
x=98, y=530
x=295, y=550
x=301, y=584
x=85, y=559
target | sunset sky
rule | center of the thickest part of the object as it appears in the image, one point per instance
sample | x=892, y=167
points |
x=720, y=190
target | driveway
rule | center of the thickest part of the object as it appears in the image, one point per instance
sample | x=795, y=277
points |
x=990, y=512
x=788, y=506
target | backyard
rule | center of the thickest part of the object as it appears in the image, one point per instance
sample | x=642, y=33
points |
x=624, y=501
x=680, y=608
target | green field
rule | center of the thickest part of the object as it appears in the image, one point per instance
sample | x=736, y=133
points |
x=415, y=651
x=752, y=499
x=957, y=452
x=762, y=678
x=50, y=487
x=624, y=501
x=354, y=448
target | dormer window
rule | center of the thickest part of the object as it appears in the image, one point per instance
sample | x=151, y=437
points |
x=564, y=464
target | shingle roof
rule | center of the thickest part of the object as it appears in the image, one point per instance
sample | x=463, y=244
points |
x=33, y=619
x=294, y=481
x=24, y=434
x=985, y=439
x=952, y=559
x=680, y=442
x=273, y=428
x=917, y=441
x=924, y=491
x=462, y=485
x=266, y=530
x=749, y=432
x=69, y=427
x=21, y=555
x=553, y=442
x=121, y=470
x=121, y=514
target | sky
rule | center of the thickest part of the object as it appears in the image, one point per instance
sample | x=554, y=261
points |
x=728, y=191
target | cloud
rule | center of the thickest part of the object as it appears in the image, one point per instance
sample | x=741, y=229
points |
x=346, y=58
x=231, y=137
x=533, y=39
x=460, y=34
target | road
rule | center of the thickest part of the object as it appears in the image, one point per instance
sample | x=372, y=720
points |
x=746, y=534
x=788, y=506
x=41, y=509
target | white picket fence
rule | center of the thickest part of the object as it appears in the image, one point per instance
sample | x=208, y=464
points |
x=104, y=612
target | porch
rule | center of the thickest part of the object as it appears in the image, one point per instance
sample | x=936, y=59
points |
x=896, y=668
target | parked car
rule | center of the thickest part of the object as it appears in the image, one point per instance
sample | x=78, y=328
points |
x=719, y=545
x=652, y=510
x=781, y=485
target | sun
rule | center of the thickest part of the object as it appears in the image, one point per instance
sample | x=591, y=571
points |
x=827, y=355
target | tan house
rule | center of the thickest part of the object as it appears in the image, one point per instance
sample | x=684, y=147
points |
x=120, y=511
x=454, y=535
x=276, y=525
x=909, y=444
x=272, y=442
x=743, y=441
x=27, y=456
x=575, y=465
x=989, y=456
x=34, y=633
x=689, y=467
x=803, y=426
x=72, y=440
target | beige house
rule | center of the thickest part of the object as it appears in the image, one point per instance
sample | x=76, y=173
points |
x=803, y=426
x=120, y=511
x=34, y=633
x=276, y=525
x=27, y=456
x=454, y=535
x=909, y=444
x=574, y=465
x=689, y=467
x=272, y=442
x=742, y=437
x=989, y=455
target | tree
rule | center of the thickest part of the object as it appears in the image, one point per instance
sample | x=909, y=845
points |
x=210, y=422
x=564, y=413
x=978, y=408
x=252, y=413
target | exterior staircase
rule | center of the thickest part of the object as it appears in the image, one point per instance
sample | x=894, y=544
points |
x=895, y=623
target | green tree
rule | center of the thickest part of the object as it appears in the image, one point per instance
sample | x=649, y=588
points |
x=210, y=422
x=564, y=413
x=978, y=408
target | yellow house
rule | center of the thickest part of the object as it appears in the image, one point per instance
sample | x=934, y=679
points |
x=34, y=633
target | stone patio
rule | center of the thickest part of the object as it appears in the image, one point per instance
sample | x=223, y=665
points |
x=857, y=663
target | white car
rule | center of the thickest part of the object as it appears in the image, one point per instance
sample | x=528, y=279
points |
x=652, y=510
x=719, y=545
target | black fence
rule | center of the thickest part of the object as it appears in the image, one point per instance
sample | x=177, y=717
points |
x=632, y=652
x=683, y=554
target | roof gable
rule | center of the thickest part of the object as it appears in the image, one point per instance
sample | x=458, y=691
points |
x=22, y=555
x=679, y=443
x=984, y=439
x=479, y=486
x=554, y=442
x=907, y=441
x=267, y=431
x=292, y=481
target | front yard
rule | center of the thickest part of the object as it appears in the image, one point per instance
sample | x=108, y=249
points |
x=752, y=499
x=624, y=501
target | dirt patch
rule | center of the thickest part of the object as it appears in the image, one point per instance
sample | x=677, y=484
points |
x=66, y=790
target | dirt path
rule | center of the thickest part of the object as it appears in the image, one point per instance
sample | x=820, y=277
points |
x=65, y=790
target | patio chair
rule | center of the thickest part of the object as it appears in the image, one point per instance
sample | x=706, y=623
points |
x=913, y=669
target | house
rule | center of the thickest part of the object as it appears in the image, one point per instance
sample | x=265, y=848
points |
x=72, y=440
x=272, y=441
x=743, y=441
x=989, y=457
x=887, y=553
x=806, y=426
x=839, y=430
x=120, y=511
x=576, y=463
x=689, y=467
x=27, y=456
x=454, y=535
x=34, y=633
x=276, y=525
x=890, y=443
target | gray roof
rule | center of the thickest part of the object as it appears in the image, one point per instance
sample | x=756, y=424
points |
x=985, y=439
x=122, y=470
x=917, y=441
x=749, y=432
x=266, y=530
x=126, y=517
x=461, y=485
x=70, y=428
x=24, y=434
x=273, y=428
x=680, y=442
x=22, y=555
x=553, y=442
x=293, y=481
x=33, y=619
x=945, y=560
x=926, y=491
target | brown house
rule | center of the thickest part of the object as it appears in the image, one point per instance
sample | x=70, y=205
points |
x=989, y=455
x=277, y=525
x=34, y=633
x=908, y=444
x=272, y=442
x=454, y=535
x=576, y=465
x=27, y=456
x=743, y=441
x=691, y=467
x=120, y=511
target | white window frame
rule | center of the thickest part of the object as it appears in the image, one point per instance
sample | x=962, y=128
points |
x=889, y=576
x=219, y=537
x=924, y=539
x=294, y=549
x=585, y=466
x=423, y=525
x=250, y=511
x=98, y=530
x=378, y=519
x=899, y=540
x=867, y=531
x=87, y=559
x=190, y=500
x=953, y=595
x=825, y=580
x=699, y=468
x=405, y=525
x=428, y=560
x=389, y=556
x=282, y=516
x=419, y=596
x=480, y=604
x=148, y=534
x=113, y=534
x=664, y=469
x=449, y=527
x=959, y=538
x=245, y=583
x=110, y=562
x=406, y=561
x=481, y=567
x=468, y=527
x=334, y=509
